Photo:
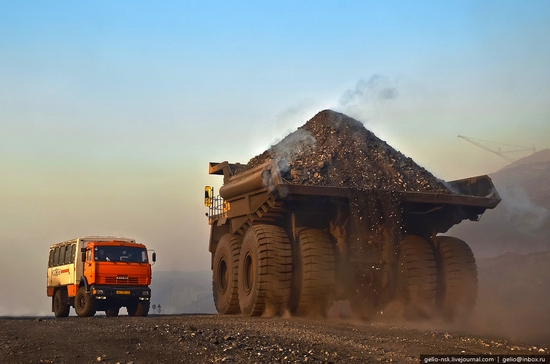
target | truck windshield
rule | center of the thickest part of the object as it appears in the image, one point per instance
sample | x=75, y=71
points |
x=120, y=254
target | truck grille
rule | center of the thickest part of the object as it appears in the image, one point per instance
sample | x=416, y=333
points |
x=124, y=280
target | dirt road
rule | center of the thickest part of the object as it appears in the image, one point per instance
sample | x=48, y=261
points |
x=233, y=339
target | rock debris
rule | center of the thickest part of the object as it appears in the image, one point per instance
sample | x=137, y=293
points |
x=333, y=149
x=230, y=339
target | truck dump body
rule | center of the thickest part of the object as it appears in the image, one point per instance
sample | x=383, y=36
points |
x=249, y=197
x=334, y=213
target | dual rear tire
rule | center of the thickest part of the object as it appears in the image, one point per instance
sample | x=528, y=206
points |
x=417, y=285
x=458, y=277
x=439, y=279
x=314, y=273
x=139, y=308
x=112, y=311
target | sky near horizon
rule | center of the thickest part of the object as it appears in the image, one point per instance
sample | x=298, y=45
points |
x=111, y=110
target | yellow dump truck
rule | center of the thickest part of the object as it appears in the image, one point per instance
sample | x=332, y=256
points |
x=279, y=247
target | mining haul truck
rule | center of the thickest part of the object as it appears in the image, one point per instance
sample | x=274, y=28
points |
x=283, y=248
x=99, y=273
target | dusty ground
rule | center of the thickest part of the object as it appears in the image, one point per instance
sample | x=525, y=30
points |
x=214, y=338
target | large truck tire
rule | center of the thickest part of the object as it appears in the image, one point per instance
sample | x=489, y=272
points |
x=458, y=278
x=265, y=271
x=84, y=303
x=61, y=303
x=417, y=286
x=314, y=273
x=225, y=274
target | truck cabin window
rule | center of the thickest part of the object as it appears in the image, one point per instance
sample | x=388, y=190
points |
x=120, y=254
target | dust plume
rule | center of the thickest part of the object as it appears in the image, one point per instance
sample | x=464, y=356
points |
x=364, y=101
x=526, y=214
x=512, y=303
x=513, y=297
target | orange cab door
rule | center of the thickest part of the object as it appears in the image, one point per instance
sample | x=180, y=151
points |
x=89, y=267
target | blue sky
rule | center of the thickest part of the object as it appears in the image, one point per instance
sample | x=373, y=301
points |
x=111, y=110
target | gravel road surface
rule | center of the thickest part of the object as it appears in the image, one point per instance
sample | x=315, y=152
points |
x=235, y=339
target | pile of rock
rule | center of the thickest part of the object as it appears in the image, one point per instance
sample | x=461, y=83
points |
x=333, y=149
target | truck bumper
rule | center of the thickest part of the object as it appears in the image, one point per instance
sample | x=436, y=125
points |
x=105, y=292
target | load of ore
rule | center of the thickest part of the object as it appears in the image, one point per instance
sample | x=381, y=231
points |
x=333, y=149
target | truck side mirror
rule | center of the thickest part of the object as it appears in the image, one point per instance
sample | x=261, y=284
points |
x=83, y=256
x=154, y=257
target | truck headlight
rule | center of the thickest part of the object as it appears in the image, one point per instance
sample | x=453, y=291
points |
x=145, y=293
x=97, y=291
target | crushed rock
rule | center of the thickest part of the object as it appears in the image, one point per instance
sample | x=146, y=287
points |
x=333, y=149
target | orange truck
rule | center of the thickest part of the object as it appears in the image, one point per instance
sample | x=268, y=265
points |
x=99, y=273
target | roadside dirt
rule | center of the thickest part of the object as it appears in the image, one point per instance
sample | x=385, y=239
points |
x=235, y=339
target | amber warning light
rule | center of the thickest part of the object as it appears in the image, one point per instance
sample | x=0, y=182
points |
x=207, y=196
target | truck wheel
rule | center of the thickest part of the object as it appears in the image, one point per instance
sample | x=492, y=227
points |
x=458, y=278
x=225, y=274
x=314, y=273
x=140, y=308
x=61, y=303
x=112, y=311
x=417, y=284
x=84, y=304
x=265, y=271
x=131, y=308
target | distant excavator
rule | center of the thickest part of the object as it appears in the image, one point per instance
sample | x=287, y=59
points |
x=501, y=153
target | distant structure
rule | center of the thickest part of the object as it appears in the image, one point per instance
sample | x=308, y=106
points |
x=501, y=153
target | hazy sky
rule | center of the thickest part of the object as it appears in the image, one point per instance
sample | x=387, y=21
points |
x=111, y=110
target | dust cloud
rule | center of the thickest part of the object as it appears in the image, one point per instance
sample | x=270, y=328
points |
x=512, y=248
x=514, y=296
x=512, y=303
x=364, y=101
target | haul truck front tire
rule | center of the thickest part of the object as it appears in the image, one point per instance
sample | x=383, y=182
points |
x=314, y=273
x=225, y=274
x=265, y=271
x=84, y=303
x=417, y=284
x=61, y=303
x=458, y=278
